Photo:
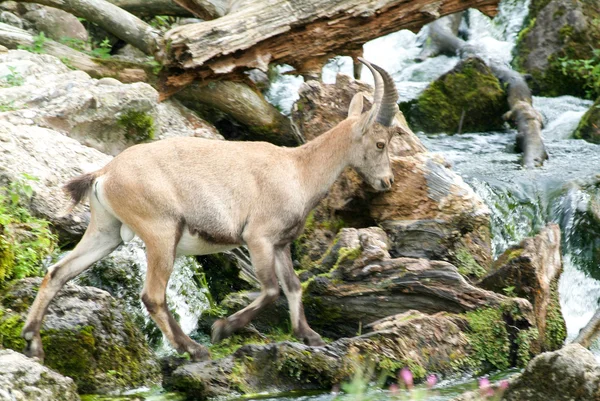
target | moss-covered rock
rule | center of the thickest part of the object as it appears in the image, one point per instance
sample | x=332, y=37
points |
x=589, y=126
x=469, y=98
x=85, y=337
x=531, y=270
x=559, y=36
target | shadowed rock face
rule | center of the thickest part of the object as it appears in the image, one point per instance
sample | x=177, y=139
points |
x=85, y=336
x=571, y=373
x=427, y=343
x=23, y=379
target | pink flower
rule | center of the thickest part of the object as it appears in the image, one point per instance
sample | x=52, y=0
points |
x=431, y=381
x=503, y=385
x=485, y=388
x=394, y=388
x=406, y=377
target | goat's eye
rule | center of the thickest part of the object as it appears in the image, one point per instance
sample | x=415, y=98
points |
x=380, y=145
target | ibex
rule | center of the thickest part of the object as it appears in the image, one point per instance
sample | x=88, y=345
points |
x=192, y=196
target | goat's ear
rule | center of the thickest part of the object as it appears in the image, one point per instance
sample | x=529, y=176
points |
x=356, y=106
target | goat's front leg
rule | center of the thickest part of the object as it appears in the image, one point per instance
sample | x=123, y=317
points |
x=263, y=259
x=293, y=292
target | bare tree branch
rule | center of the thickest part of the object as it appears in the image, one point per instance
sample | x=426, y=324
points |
x=113, y=19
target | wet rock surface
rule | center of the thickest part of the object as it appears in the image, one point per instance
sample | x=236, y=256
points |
x=572, y=373
x=23, y=379
x=86, y=336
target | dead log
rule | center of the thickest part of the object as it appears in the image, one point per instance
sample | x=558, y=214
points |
x=590, y=332
x=112, y=19
x=205, y=9
x=145, y=8
x=13, y=38
x=246, y=106
x=521, y=113
x=296, y=33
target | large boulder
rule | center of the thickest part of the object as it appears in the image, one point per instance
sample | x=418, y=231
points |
x=469, y=98
x=105, y=114
x=589, y=126
x=51, y=158
x=572, y=373
x=531, y=270
x=85, y=335
x=23, y=379
x=559, y=37
x=56, y=24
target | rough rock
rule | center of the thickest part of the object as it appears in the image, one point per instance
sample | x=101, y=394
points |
x=360, y=283
x=86, y=336
x=432, y=213
x=423, y=343
x=558, y=29
x=56, y=24
x=23, y=379
x=531, y=270
x=589, y=126
x=52, y=158
x=469, y=98
x=319, y=108
x=572, y=373
x=12, y=19
x=104, y=114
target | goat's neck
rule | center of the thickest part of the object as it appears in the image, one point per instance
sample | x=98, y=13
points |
x=322, y=160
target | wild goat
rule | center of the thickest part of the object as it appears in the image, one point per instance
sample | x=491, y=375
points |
x=192, y=196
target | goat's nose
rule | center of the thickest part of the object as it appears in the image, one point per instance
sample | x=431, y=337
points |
x=391, y=179
x=386, y=183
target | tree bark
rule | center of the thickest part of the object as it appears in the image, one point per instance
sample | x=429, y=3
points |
x=246, y=106
x=13, y=37
x=113, y=19
x=205, y=9
x=590, y=332
x=296, y=33
x=146, y=8
x=527, y=119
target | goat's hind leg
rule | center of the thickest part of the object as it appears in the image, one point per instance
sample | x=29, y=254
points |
x=161, y=256
x=101, y=238
x=263, y=260
x=293, y=292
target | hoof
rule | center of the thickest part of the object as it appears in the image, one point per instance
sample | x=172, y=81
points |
x=312, y=339
x=198, y=353
x=221, y=329
x=33, y=346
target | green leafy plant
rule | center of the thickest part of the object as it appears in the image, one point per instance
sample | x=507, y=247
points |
x=14, y=78
x=25, y=240
x=587, y=70
x=102, y=50
x=38, y=44
x=10, y=106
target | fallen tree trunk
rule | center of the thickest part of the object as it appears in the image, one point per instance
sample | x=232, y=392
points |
x=527, y=119
x=13, y=38
x=205, y=9
x=113, y=19
x=296, y=33
x=246, y=106
x=590, y=332
x=147, y=8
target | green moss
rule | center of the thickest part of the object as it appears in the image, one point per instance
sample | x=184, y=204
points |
x=390, y=367
x=589, y=125
x=526, y=341
x=25, y=241
x=10, y=331
x=466, y=264
x=556, y=329
x=469, y=93
x=138, y=125
x=346, y=254
x=489, y=338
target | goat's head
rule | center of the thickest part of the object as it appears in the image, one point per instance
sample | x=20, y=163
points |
x=373, y=131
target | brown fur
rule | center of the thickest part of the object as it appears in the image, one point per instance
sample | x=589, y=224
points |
x=77, y=188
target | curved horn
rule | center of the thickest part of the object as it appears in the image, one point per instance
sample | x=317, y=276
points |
x=388, y=108
x=377, y=96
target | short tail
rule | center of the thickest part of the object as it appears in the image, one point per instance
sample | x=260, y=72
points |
x=77, y=188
